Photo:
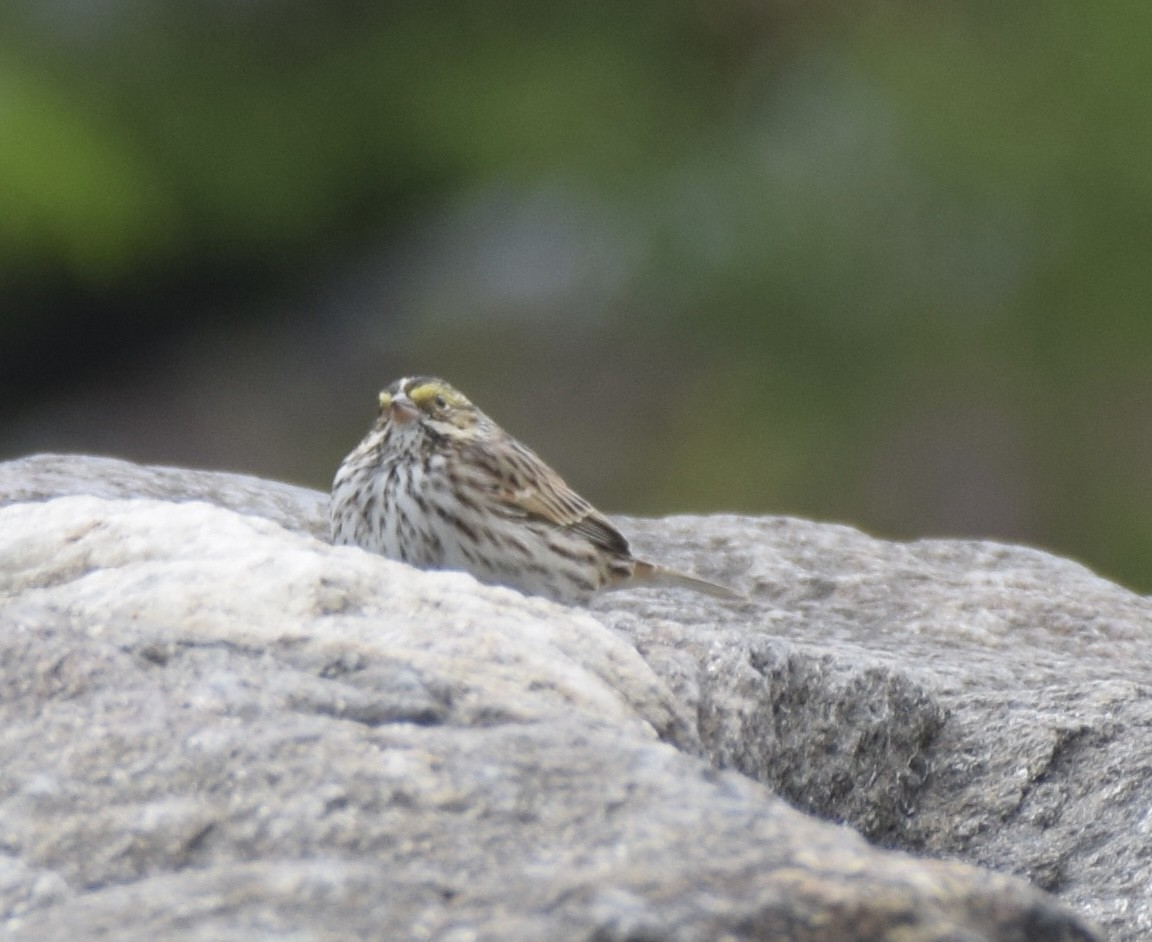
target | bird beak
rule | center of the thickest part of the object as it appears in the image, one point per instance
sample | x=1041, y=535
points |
x=403, y=409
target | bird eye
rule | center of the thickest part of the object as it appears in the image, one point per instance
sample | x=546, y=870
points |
x=441, y=402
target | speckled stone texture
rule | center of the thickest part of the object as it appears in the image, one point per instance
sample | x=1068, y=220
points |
x=215, y=726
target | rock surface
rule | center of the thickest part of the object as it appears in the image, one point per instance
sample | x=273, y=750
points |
x=212, y=727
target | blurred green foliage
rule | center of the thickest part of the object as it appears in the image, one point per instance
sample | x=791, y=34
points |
x=901, y=249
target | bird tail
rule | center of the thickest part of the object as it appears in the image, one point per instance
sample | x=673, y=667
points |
x=662, y=576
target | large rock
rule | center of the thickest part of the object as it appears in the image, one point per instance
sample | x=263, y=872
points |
x=212, y=727
x=961, y=699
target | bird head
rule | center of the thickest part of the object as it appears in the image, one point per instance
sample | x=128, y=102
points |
x=428, y=404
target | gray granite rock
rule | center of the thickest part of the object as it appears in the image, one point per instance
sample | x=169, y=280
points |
x=43, y=477
x=960, y=699
x=212, y=727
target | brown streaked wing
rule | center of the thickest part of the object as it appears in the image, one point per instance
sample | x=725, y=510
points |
x=541, y=492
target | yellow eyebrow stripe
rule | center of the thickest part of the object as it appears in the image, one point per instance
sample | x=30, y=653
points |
x=421, y=395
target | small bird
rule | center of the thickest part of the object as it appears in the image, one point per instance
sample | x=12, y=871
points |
x=439, y=485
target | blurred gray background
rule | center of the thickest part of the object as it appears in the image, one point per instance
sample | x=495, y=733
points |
x=882, y=263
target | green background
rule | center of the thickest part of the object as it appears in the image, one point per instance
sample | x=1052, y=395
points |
x=885, y=264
